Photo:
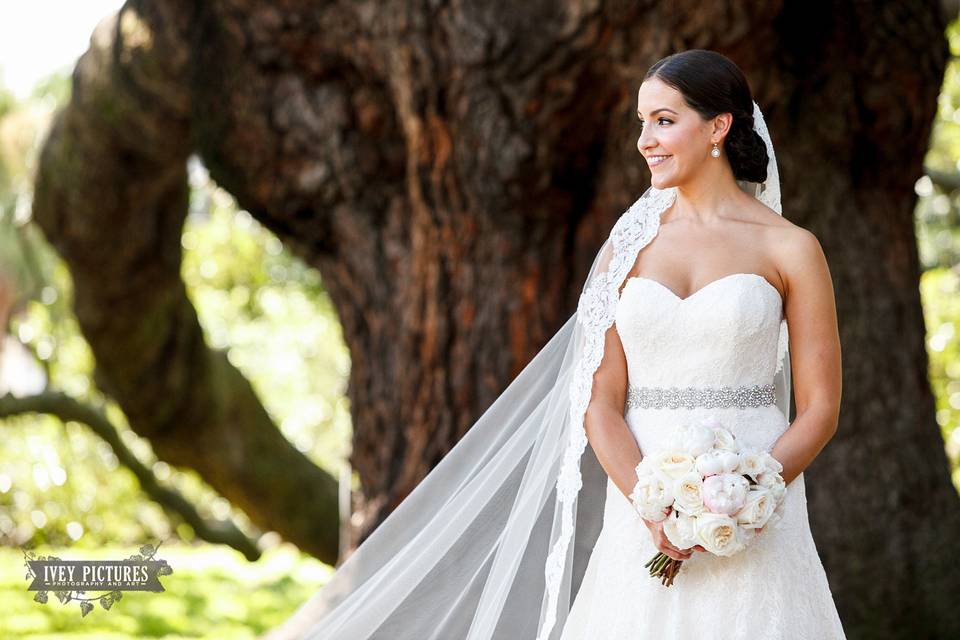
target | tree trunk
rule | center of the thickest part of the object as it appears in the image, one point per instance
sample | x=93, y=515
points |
x=451, y=171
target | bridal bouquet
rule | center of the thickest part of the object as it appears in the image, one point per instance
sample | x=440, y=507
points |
x=707, y=490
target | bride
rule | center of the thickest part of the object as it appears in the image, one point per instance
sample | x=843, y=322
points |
x=525, y=529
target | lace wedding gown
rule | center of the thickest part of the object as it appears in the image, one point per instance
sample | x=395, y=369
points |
x=724, y=334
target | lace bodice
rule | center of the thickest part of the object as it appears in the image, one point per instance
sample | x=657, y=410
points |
x=725, y=333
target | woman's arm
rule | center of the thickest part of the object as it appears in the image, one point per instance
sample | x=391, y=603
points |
x=607, y=431
x=814, y=352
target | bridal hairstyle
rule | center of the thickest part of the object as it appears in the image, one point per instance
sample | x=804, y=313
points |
x=494, y=542
x=712, y=84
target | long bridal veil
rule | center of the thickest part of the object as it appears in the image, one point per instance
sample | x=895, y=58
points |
x=493, y=543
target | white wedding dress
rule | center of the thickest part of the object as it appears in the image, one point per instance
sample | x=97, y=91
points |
x=724, y=334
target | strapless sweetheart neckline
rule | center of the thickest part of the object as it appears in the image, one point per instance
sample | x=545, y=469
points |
x=709, y=284
x=732, y=333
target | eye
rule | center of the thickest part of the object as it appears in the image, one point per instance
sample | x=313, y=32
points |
x=660, y=119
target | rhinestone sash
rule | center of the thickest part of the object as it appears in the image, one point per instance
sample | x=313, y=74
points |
x=690, y=397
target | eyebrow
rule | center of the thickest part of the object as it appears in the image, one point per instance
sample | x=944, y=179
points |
x=655, y=112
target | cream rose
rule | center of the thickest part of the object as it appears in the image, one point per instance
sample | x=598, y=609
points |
x=757, y=509
x=673, y=464
x=771, y=463
x=719, y=534
x=751, y=463
x=773, y=482
x=688, y=493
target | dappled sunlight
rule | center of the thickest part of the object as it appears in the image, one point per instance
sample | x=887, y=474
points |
x=213, y=592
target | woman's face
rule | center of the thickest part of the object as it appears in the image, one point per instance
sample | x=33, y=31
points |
x=672, y=129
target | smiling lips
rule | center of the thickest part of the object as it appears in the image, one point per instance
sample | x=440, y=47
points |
x=654, y=161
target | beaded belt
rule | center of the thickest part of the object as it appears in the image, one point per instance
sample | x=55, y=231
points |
x=689, y=397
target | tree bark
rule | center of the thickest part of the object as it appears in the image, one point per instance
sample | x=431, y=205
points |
x=451, y=169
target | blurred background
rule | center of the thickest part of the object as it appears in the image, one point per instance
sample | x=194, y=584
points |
x=63, y=490
x=76, y=480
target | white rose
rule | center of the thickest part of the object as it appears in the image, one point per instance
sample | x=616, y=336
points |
x=773, y=482
x=644, y=465
x=719, y=534
x=767, y=479
x=725, y=440
x=751, y=463
x=681, y=530
x=652, y=514
x=709, y=463
x=652, y=493
x=771, y=463
x=757, y=509
x=673, y=464
x=694, y=439
x=688, y=493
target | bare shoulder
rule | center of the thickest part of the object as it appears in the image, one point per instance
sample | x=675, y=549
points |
x=802, y=263
x=793, y=246
x=794, y=250
x=779, y=233
x=767, y=216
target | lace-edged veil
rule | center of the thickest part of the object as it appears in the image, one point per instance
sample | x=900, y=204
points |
x=494, y=542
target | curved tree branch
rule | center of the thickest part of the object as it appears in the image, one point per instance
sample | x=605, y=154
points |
x=66, y=408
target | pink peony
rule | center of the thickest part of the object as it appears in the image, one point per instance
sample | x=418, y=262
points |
x=725, y=493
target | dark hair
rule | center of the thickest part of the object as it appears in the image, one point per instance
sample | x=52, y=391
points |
x=711, y=84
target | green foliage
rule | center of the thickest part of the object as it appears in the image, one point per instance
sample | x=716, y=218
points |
x=938, y=238
x=937, y=213
x=213, y=592
x=52, y=476
x=62, y=485
x=271, y=314
x=941, y=293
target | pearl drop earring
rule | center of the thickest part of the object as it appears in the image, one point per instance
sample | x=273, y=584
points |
x=715, y=152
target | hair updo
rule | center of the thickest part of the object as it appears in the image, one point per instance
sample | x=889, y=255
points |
x=711, y=84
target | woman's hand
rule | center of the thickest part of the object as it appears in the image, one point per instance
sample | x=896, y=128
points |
x=663, y=544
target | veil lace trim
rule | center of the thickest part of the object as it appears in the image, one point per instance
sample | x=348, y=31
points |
x=596, y=311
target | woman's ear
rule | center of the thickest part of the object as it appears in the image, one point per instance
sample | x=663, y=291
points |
x=722, y=124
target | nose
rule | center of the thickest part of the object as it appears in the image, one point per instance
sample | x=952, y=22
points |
x=645, y=140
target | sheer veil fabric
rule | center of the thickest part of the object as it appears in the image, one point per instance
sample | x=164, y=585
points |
x=493, y=543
